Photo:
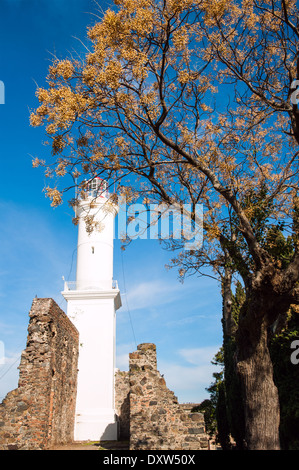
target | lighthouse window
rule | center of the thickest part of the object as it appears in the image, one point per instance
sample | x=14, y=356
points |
x=97, y=187
x=92, y=249
x=92, y=188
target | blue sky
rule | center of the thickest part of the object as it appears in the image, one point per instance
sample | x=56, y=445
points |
x=37, y=242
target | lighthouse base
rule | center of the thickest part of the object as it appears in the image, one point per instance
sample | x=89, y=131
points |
x=96, y=425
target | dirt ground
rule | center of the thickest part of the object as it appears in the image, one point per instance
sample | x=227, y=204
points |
x=103, y=445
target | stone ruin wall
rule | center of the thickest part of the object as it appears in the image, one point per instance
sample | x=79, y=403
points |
x=151, y=412
x=41, y=411
x=122, y=404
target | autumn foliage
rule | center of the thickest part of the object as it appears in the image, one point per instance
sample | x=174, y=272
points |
x=195, y=101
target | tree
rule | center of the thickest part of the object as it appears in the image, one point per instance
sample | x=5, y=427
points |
x=218, y=398
x=224, y=392
x=231, y=385
x=286, y=377
x=142, y=109
x=214, y=409
x=207, y=407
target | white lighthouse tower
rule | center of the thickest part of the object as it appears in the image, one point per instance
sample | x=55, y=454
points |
x=91, y=305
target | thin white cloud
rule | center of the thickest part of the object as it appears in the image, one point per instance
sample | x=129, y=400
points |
x=34, y=255
x=122, y=362
x=189, y=381
x=9, y=374
x=32, y=251
x=150, y=293
x=162, y=291
x=187, y=320
x=122, y=355
x=199, y=356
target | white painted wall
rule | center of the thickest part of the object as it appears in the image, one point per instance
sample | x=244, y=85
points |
x=95, y=249
x=91, y=307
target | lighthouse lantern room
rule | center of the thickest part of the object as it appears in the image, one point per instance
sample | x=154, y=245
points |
x=92, y=301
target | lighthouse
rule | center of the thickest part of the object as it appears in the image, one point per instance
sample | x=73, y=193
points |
x=92, y=301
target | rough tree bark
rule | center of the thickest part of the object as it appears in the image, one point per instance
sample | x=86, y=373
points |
x=254, y=365
x=260, y=395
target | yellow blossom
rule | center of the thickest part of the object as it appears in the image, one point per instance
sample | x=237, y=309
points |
x=54, y=195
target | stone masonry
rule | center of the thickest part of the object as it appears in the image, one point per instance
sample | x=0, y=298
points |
x=40, y=412
x=152, y=412
x=122, y=403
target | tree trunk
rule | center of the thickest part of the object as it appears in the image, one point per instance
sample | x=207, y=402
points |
x=260, y=395
x=227, y=320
